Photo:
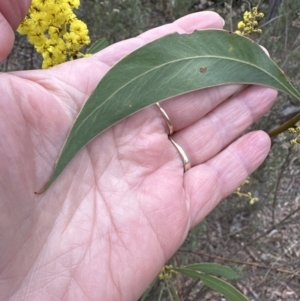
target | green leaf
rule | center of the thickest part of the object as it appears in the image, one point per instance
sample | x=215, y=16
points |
x=172, y=292
x=214, y=283
x=223, y=287
x=97, y=46
x=213, y=269
x=150, y=287
x=188, y=272
x=170, y=66
x=161, y=292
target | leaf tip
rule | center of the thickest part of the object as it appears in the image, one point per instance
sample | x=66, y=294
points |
x=43, y=189
x=39, y=192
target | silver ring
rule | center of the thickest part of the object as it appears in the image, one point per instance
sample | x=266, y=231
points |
x=168, y=120
x=184, y=157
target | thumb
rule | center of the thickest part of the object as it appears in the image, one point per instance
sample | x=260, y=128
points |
x=6, y=38
x=12, y=13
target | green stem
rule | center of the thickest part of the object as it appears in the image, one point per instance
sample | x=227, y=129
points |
x=284, y=127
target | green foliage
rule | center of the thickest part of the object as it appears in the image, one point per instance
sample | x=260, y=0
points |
x=97, y=46
x=114, y=19
x=212, y=269
x=280, y=37
x=205, y=272
x=146, y=293
x=174, y=64
x=222, y=287
x=173, y=296
x=183, y=7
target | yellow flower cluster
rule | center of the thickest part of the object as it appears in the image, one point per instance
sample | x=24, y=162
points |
x=249, y=23
x=247, y=195
x=295, y=130
x=166, y=272
x=52, y=27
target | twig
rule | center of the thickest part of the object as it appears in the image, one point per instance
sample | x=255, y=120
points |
x=286, y=34
x=249, y=4
x=284, y=127
x=260, y=2
x=230, y=20
x=286, y=251
x=272, y=228
x=270, y=21
x=277, y=185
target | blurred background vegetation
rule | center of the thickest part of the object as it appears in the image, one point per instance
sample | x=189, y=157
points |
x=261, y=241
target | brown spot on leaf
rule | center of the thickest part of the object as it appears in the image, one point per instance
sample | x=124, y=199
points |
x=203, y=69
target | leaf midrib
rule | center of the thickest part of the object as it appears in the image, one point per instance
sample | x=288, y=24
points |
x=165, y=64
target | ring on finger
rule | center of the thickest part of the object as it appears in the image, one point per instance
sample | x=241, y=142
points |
x=184, y=157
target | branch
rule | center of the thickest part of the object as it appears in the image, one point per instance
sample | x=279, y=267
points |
x=284, y=127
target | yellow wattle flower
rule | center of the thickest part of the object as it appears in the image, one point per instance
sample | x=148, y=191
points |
x=249, y=23
x=54, y=30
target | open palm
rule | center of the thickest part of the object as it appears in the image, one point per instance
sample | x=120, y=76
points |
x=123, y=205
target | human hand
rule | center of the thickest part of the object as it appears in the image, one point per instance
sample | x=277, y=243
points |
x=123, y=205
